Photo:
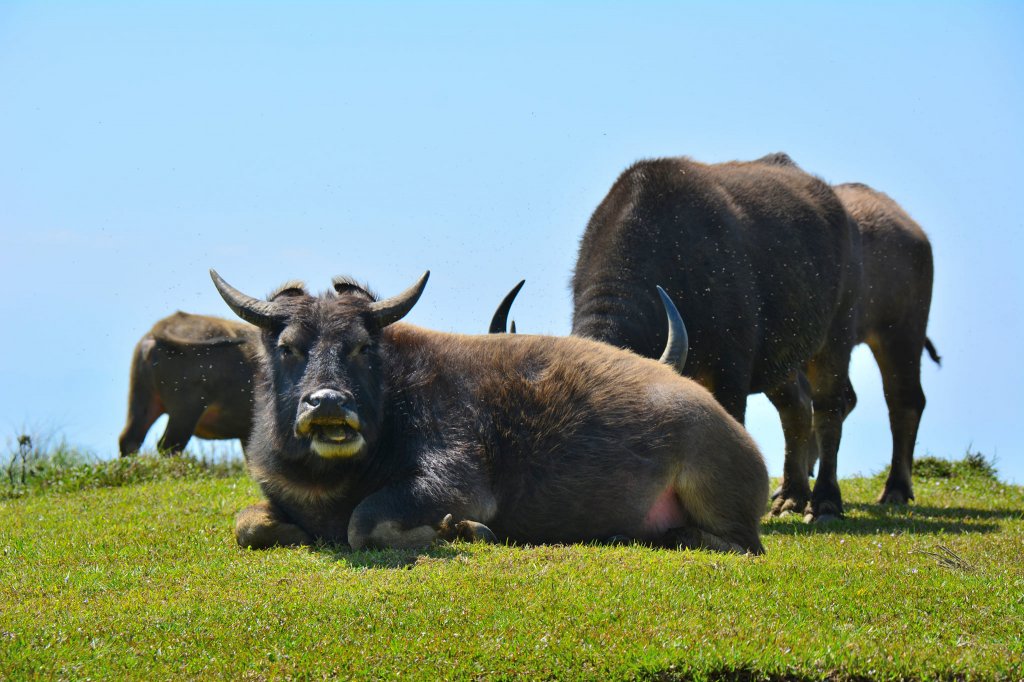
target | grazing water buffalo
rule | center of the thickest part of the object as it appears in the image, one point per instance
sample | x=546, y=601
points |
x=893, y=318
x=767, y=265
x=198, y=370
x=382, y=434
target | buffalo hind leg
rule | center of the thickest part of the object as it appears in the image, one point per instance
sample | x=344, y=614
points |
x=722, y=490
x=263, y=525
x=144, y=406
x=140, y=419
x=900, y=363
x=793, y=401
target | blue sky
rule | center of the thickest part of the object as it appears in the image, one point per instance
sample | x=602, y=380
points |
x=142, y=143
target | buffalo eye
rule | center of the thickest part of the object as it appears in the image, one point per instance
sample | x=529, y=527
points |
x=287, y=351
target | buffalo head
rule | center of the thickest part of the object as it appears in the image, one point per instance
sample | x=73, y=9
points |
x=324, y=362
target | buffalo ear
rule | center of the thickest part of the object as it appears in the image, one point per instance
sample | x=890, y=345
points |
x=263, y=314
x=393, y=309
x=292, y=287
x=346, y=285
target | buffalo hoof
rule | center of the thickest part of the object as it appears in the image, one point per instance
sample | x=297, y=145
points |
x=776, y=494
x=895, y=496
x=793, y=504
x=695, y=538
x=682, y=538
x=468, y=531
x=826, y=512
x=257, y=527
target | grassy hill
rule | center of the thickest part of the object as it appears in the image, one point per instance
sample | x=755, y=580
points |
x=112, y=572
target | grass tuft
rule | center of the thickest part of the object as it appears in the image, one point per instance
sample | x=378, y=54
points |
x=973, y=464
x=932, y=467
x=41, y=463
x=976, y=464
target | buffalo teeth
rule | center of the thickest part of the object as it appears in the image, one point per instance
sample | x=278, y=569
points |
x=337, y=434
x=332, y=449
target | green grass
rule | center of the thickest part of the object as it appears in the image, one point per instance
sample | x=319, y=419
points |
x=37, y=464
x=144, y=580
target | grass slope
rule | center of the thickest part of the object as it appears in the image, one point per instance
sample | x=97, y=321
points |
x=145, y=580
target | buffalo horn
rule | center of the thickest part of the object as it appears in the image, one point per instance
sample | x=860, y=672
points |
x=678, y=343
x=395, y=308
x=253, y=310
x=500, y=319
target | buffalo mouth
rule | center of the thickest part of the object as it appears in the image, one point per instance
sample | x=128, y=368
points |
x=335, y=438
x=337, y=441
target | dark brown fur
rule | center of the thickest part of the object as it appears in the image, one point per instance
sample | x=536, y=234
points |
x=764, y=264
x=542, y=439
x=198, y=370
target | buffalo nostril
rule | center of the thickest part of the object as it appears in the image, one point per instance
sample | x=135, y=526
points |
x=326, y=398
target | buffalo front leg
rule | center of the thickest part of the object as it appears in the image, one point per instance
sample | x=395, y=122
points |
x=408, y=515
x=900, y=364
x=793, y=401
x=828, y=383
x=181, y=424
x=263, y=525
x=469, y=531
x=812, y=443
x=730, y=385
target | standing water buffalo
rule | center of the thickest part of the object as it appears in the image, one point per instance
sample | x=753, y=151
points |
x=198, y=370
x=383, y=434
x=766, y=263
x=893, y=318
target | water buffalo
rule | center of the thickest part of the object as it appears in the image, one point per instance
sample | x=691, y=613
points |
x=766, y=263
x=198, y=370
x=383, y=434
x=893, y=318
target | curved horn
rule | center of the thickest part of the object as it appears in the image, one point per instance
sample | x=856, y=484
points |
x=500, y=319
x=395, y=308
x=260, y=313
x=678, y=343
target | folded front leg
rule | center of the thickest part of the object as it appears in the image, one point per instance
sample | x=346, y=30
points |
x=264, y=525
x=410, y=515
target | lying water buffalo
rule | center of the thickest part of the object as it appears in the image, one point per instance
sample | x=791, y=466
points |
x=198, y=370
x=893, y=318
x=383, y=434
x=766, y=263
